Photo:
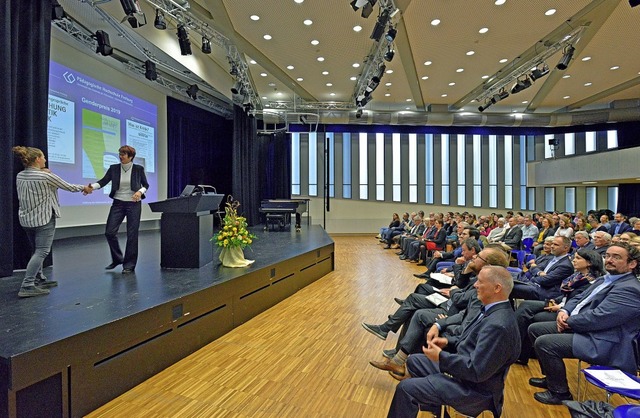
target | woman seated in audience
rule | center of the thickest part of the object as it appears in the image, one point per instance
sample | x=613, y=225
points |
x=582, y=225
x=544, y=232
x=564, y=228
x=395, y=222
x=627, y=236
x=636, y=227
x=588, y=267
x=498, y=232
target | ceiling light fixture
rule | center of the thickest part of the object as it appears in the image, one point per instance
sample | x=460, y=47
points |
x=57, y=12
x=521, y=84
x=540, y=71
x=183, y=40
x=567, y=55
x=380, y=26
x=206, y=45
x=159, y=21
x=150, y=72
x=391, y=34
x=192, y=91
x=104, y=46
x=367, y=6
x=388, y=56
x=131, y=9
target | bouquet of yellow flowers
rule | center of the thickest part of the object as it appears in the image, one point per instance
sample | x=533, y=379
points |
x=234, y=232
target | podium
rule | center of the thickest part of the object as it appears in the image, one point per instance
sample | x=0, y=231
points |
x=186, y=226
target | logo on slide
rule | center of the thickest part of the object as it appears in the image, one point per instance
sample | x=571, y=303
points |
x=69, y=77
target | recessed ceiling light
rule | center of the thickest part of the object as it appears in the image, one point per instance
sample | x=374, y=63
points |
x=589, y=182
x=443, y=95
x=484, y=77
x=329, y=84
x=387, y=94
x=566, y=97
x=355, y=64
x=425, y=77
x=357, y=28
x=408, y=100
x=320, y=59
x=298, y=1
x=407, y=108
x=525, y=101
x=389, y=71
x=255, y=17
x=315, y=42
x=503, y=60
x=308, y=22
x=279, y=93
x=435, y=22
x=267, y=37
x=428, y=63
x=264, y=97
x=615, y=67
x=325, y=73
x=471, y=52
x=483, y=30
x=263, y=74
x=252, y=62
x=290, y=67
x=586, y=58
x=459, y=70
x=587, y=84
x=452, y=84
x=332, y=94
x=300, y=79
x=500, y=2
x=566, y=76
x=387, y=84
x=353, y=78
x=550, y=12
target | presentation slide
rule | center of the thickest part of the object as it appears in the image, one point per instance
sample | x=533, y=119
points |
x=88, y=121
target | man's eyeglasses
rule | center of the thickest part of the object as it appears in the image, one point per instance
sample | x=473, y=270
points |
x=482, y=258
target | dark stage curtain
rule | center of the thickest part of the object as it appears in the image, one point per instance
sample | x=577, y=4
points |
x=246, y=165
x=24, y=50
x=275, y=152
x=199, y=146
x=629, y=199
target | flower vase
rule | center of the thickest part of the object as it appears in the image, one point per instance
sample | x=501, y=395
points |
x=234, y=257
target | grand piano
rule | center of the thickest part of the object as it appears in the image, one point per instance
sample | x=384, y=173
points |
x=278, y=212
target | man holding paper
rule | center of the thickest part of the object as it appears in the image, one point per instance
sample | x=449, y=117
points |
x=597, y=327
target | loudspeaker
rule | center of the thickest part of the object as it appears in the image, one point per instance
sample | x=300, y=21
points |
x=104, y=46
x=553, y=142
x=150, y=72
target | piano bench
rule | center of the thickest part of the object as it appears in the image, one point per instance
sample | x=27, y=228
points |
x=276, y=219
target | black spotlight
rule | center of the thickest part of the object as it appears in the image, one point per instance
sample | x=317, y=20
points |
x=539, y=72
x=192, y=91
x=159, y=21
x=359, y=113
x=104, y=46
x=237, y=87
x=380, y=26
x=521, y=84
x=485, y=107
x=388, y=56
x=206, y=45
x=57, y=12
x=150, y=72
x=131, y=8
x=362, y=100
x=567, y=55
x=501, y=95
x=183, y=40
x=391, y=34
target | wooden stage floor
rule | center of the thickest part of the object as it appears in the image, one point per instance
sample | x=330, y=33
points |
x=72, y=342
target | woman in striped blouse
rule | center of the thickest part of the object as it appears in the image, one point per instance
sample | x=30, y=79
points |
x=38, y=209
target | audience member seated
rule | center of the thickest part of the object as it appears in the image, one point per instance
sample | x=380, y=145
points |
x=467, y=372
x=405, y=226
x=542, y=281
x=546, y=231
x=497, y=233
x=408, y=239
x=588, y=267
x=598, y=326
x=596, y=226
x=636, y=227
x=395, y=222
x=564, y=228
x=627, y=236
x=416, y=230
x=513, y=236
x=464, y=232
x=620, y=225
x=433, y=243
x=529, y=230
x=583, y=240
x=601, y=241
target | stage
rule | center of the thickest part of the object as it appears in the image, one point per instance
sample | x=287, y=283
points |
x=99, y=333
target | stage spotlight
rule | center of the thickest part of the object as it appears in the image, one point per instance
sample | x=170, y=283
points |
x=192, y=91
x=363, y=99
x=388, y=56
x=57, y=12
x=391, y=34
x=501, y=95
x=237, y=87
x=356, y=4
x=539, y=72
x=359, y=113
x=159, y=21
x=131, y=8
x=381, y=69
x=150, y=72
x=367, y=6
x=521, y=84
x=104, y=46
x=485, y=107
x=567, y=55
x=183, y=40
x=206, y=45
x=380, y=26
x=373, y=84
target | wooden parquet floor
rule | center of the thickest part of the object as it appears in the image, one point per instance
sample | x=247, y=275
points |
x=308, y=356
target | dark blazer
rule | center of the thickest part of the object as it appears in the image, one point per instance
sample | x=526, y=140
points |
x=605, y=328
x=624, y=227
x=513, y=237
x=138, y=179
x=550, y=283
x=440, y=239
x=483, y=353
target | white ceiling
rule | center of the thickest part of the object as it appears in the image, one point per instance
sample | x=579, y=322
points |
x=610, y=38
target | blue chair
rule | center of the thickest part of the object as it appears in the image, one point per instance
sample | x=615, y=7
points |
x=627, y=411
x=627, y=393
x=527, y=245
x=444, y=265
x=529, y=257
x=519, y=255
x=514, y=270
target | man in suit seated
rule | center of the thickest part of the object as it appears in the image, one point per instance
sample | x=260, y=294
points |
x=598, y=326
x=601, y=240
x=620, y=225
x=470, y=377
x=583, y=241
x=542, y=281
x=513, y=236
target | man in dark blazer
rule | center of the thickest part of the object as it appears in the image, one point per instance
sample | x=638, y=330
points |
x=620, y=225
x=542, y=281
x=598, y=326
x=128, y=187
x=513, y=236
x=471, y=376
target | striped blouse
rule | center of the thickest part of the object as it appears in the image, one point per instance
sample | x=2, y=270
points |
x=38, y=196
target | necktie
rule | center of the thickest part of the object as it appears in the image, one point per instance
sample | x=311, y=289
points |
x=550, y=264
